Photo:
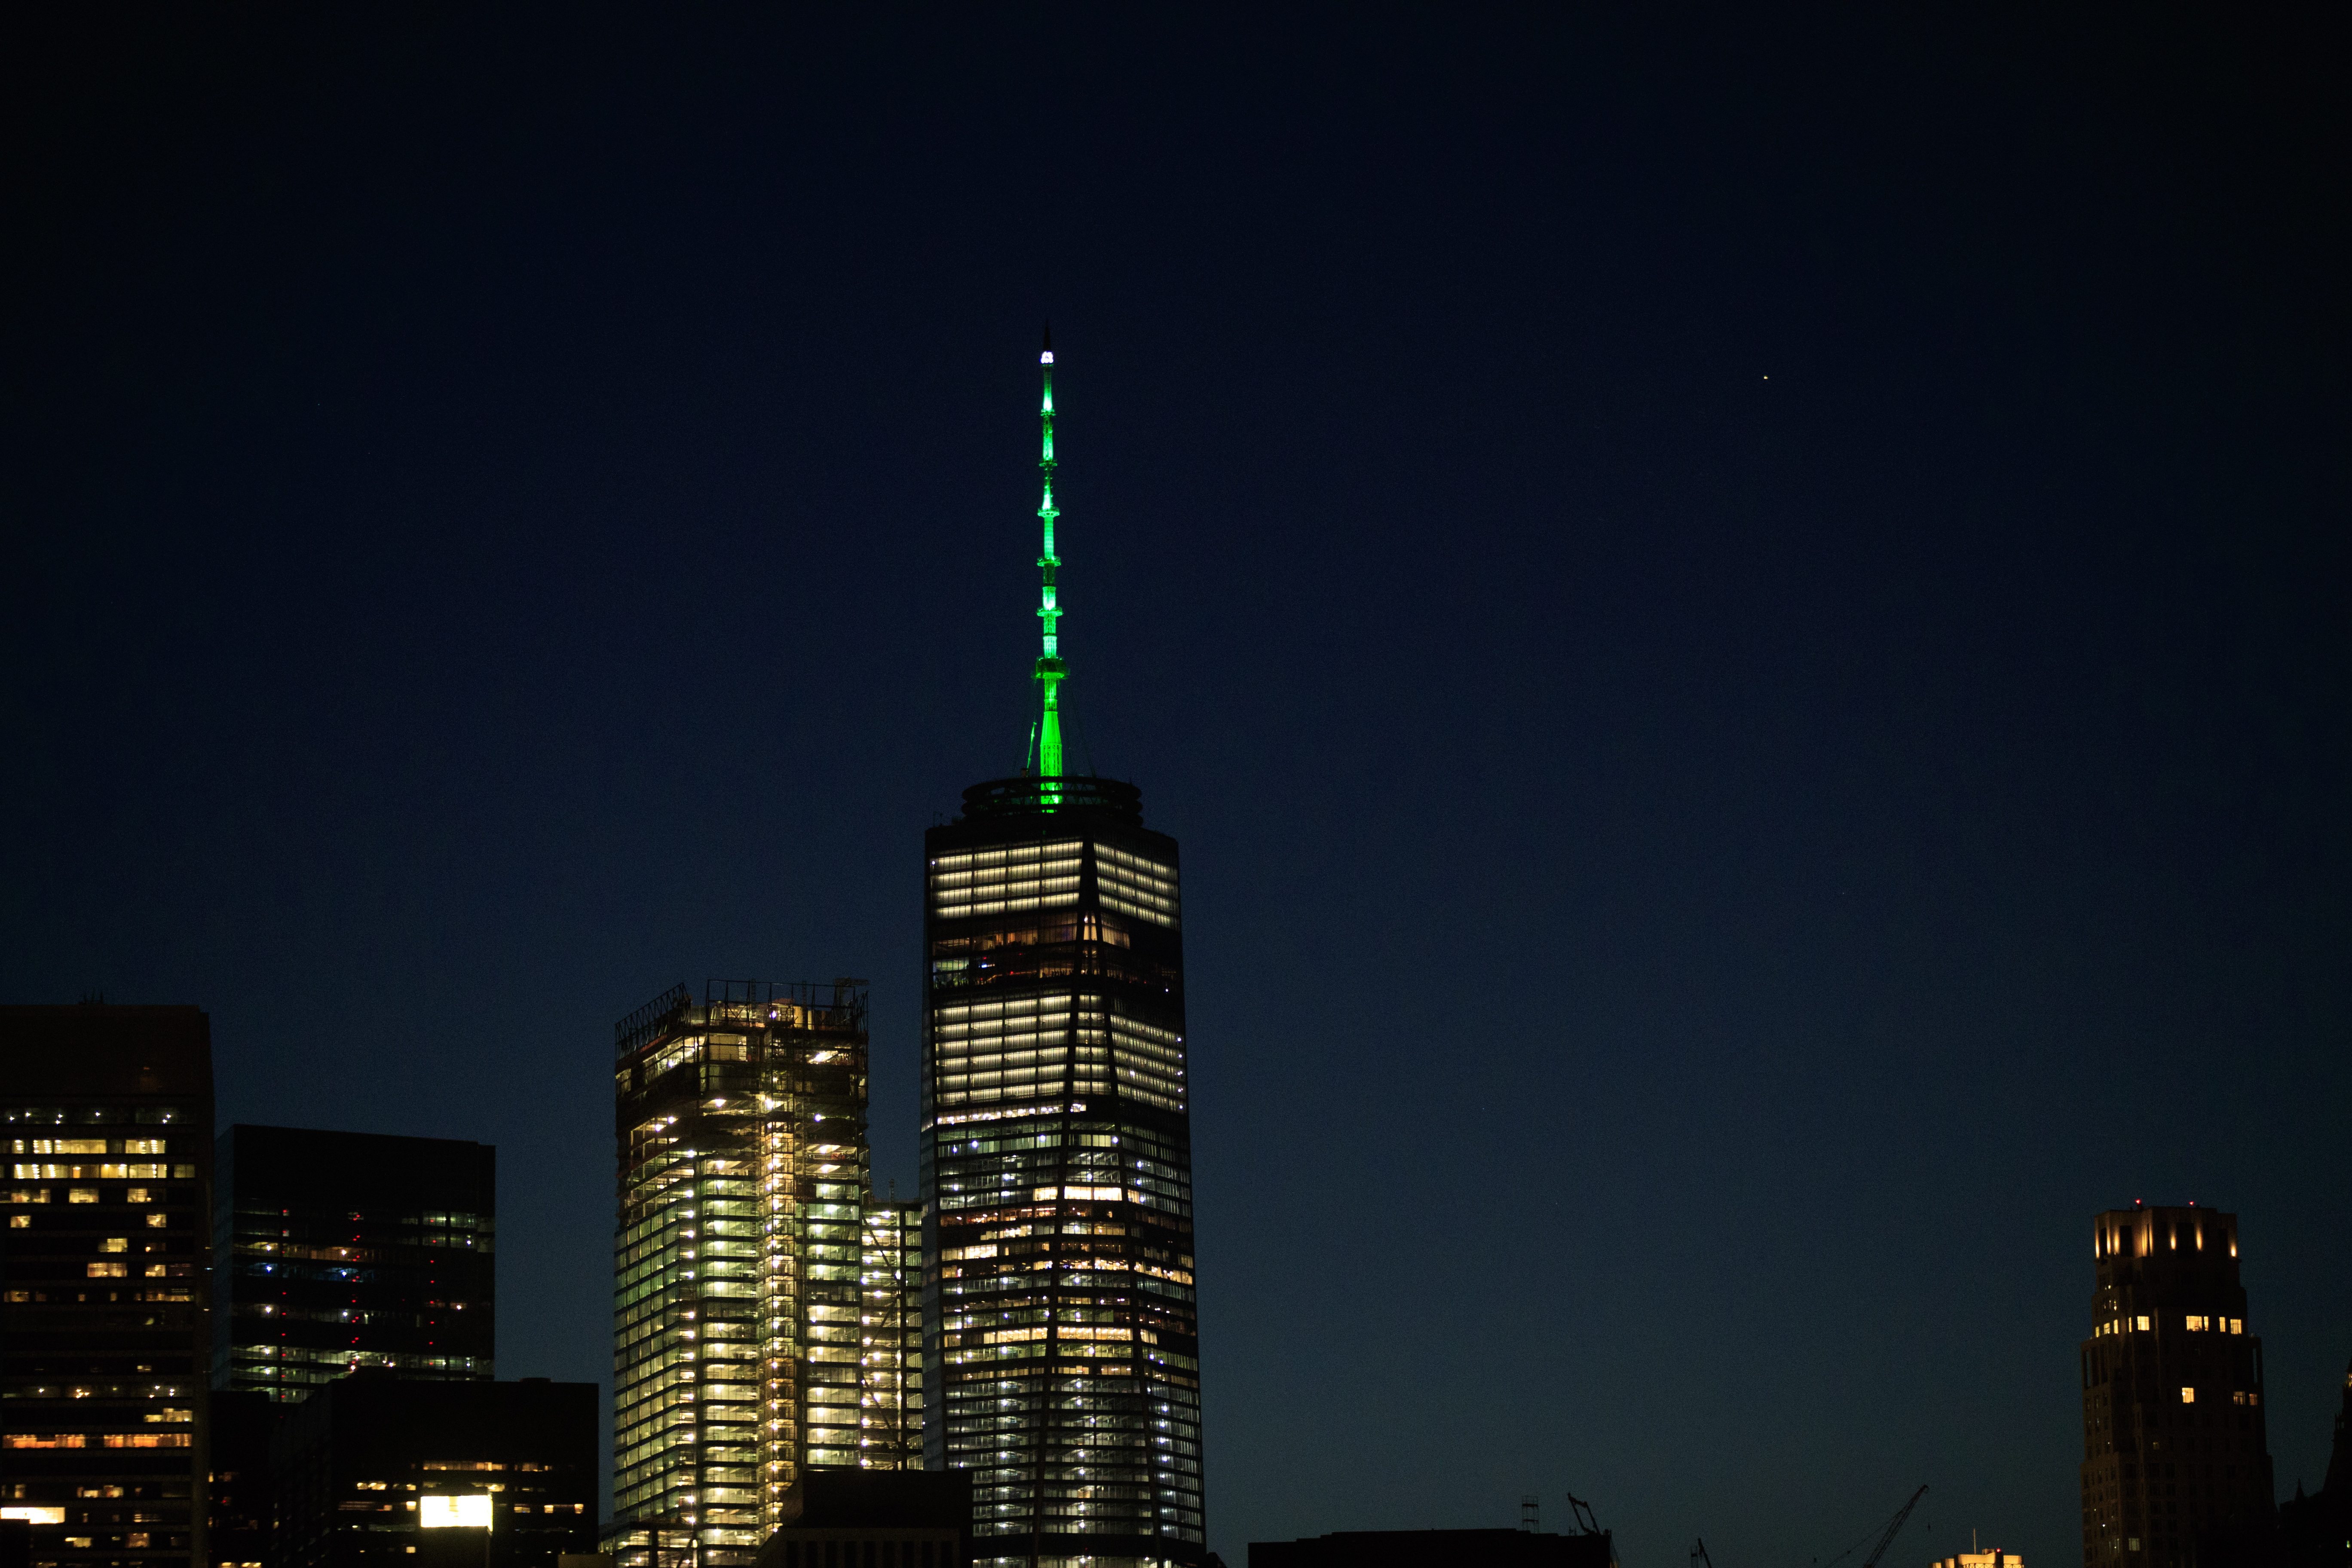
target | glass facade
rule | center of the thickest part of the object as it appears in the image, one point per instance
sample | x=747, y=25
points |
x=761, y=1293
x=335, y=1251
x=890, y=1274
x=107, y=1115
x=1060, y=1350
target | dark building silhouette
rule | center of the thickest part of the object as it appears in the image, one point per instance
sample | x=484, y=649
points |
x=1060, y=1354
x=2316, y=1531
x=874, y=1519
x=371, y=1468
x=1427, y=1548
x=238, y=1532
x=104, y=1333
x=2175, y=1468
x=336, y=1250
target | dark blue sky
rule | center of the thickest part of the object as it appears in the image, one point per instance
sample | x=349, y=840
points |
x=1744, y=626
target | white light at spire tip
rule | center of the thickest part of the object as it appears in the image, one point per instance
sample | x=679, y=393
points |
x=1045, y=358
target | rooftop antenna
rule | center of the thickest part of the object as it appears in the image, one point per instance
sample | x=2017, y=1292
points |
x=1045, y=733
x=1529, y=1515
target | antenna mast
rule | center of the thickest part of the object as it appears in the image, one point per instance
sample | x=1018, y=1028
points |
x=1045, y=747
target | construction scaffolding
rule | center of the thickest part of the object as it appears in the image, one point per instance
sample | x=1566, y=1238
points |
x=747, y=1238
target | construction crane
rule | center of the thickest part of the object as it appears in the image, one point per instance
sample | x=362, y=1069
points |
x=1886, y=1537
x=1699, y=1558
x=1586, y=1524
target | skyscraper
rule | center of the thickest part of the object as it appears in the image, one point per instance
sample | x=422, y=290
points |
x=339, y=1251
x=109, y=1117
x=745, y=1264
x=1060, y=1358
x=2174, y=1463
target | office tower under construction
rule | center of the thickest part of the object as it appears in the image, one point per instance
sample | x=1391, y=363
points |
x=1060, y=1357
x=762, y=1296
x=2176, y=1466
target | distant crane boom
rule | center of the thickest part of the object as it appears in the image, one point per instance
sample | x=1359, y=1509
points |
x=1894, y=1528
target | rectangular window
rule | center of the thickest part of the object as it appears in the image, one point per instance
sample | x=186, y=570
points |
x=81, y=1194
x=2187, y=1397
x=2237, y=1325
x=109, y=1271
x=2143, y=1324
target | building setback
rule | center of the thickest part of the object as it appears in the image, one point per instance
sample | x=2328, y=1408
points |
x=760, y=1290
x=2174, y=1463
x=369, y=1469
x=339, y=1251
x=1061, y=1358
x=103, y=1338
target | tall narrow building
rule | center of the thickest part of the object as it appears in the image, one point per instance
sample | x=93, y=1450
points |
x=108, y=1112
x=2175, y=1468
x=1061, y=1352
x=745, y=1262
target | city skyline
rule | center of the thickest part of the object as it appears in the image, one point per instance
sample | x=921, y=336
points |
x=1739, y=619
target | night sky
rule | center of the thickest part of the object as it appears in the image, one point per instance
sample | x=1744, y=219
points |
x=1744, y=626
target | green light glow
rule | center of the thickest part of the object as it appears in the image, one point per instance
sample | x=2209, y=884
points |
x=1046, y=736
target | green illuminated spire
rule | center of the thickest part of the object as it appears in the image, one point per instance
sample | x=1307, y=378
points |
x=1046, y=737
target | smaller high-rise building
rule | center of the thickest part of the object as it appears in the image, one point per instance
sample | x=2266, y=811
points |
x=108, y=1113
x=890, y=1273
x=2176, y=1466
x=766, y=1317
x=339, y=1251
x=385, y=1470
